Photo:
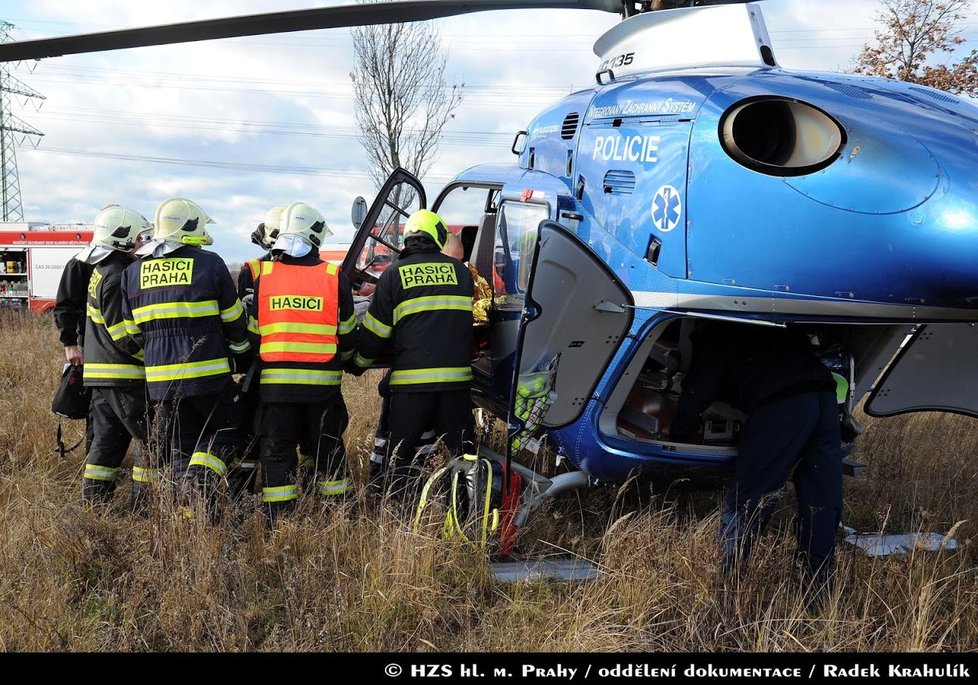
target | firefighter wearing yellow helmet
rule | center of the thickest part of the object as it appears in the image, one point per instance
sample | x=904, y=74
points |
x=182, y=306
x=113, y=366
x=303, y=326
x=423, y=308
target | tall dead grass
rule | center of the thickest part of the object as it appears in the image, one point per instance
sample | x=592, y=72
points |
x=354, y=579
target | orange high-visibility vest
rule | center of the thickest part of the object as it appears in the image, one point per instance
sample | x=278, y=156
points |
x=298, y=312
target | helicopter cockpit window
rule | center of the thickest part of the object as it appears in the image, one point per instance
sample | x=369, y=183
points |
x=781, y=137
x=518, y=225
x=387, y=237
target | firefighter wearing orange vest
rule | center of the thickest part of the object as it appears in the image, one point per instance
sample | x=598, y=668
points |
x=303, y=324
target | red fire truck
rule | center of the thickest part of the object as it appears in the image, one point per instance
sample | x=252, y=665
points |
x=31, y=262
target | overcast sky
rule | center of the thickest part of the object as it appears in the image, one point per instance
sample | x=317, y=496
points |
x=243, y=124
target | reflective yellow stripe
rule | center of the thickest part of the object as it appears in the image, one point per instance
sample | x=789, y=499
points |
x=141, y=475
x=118, y=331
x=233, y=312
x=434, y=303
x=283, y=493
x=300, y=377
x=253, y=325
x=94, y=313
x=362, y=361
x=289, y=327
x=332, y=269
x=240, y=347
x=329, y=488
x=442, y=375
x=210, y=461
x=381, y=330
x=309, y=348
x=266, y=268
x=179, y=372
x=92, y=370
x=346, y=355
x=131, y=327
x=96, y=472
x=349, y=325
x=255, y=266
x=175, y=310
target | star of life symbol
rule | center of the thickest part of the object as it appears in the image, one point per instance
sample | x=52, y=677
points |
x=666, y=208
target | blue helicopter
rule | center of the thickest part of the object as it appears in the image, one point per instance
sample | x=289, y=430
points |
x=695, y=180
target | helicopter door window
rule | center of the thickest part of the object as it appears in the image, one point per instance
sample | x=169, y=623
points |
x=518, y=225
x=386, y=238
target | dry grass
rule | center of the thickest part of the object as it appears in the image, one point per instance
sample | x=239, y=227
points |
x=73, y=579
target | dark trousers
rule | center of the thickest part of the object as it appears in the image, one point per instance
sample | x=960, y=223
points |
x=116, y=416
x=378, y=458
x=316, y=428
x=796, y=437
x=447, y=413
x=201, y=436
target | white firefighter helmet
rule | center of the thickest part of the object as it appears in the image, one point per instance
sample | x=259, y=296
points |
x=267, y=231
x=181, y=221
x=118, y=228
x=301, y=224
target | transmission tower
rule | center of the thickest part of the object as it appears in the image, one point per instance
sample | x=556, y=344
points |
x=13, y=132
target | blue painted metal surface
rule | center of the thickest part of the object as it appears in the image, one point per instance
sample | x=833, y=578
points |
x=887, y=232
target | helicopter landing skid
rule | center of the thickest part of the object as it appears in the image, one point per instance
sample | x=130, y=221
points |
x=537, y=489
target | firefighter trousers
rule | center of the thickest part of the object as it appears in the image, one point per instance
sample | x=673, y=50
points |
x=116, y=416
x=447, y=413
x=201, y=437
x=316, y=428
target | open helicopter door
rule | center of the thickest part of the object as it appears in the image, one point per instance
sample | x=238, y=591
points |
x=935, y=370
x=379, y=237
x=576, y=315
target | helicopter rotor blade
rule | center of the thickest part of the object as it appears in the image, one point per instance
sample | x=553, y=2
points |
x=279, y=22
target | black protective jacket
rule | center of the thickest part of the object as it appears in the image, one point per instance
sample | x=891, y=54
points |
x=183, y=309
x=423, y=306
x=69, y=305
x=113, y=358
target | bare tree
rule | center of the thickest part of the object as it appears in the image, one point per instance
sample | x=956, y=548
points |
x=402, y=98
x=917, y=35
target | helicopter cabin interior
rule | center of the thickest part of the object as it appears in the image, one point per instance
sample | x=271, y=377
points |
x=646, y=398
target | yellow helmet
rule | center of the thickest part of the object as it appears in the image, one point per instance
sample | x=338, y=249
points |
x=427, y=222
x=182, y=221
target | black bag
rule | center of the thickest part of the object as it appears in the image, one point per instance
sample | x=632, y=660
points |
x=72, y=398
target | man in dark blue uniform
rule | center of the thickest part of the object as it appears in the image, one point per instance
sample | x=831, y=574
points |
x=792, y=431
x=181, y=306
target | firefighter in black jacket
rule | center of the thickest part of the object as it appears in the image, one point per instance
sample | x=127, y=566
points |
x=113, y=365
x=69, y=305
x=305, y=321
x=792, y=431
x=181, y=304
x=69, y=315
x=423, y=305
